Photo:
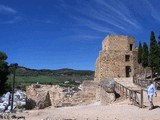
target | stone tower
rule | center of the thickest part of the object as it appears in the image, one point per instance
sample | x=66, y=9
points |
x=118, y=58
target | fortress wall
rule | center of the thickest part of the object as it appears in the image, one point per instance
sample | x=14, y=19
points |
x=112, y=59
x=119, y=43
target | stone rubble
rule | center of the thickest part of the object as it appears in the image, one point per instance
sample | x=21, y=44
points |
x=10, y=116
x=19, y=100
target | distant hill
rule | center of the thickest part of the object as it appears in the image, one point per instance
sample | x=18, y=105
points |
x=26, y=76
x=23, y=71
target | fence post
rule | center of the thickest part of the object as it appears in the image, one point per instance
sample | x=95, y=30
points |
x=119, y=86
x=134, y=97
x=141, y=98
x=137, y=82
x=130, y=95
x=123, y=90
x=126, y=92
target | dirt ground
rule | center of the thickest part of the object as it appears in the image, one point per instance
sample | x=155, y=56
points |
x=122, y=110
x=119, y=110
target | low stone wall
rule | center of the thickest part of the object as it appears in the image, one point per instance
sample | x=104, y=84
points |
x=87, y=94
x=41, y=96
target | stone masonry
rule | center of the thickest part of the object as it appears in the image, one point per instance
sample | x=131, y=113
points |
x=118, y=58
x=42, y=96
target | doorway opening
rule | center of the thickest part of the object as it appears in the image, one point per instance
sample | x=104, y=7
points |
x=128, y=70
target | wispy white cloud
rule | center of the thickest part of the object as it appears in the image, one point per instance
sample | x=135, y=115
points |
x=105, y=16
x=14, y=16
x=43, y=21
x=121, y=15
x=90, y=36
x=94, y=25
x=6, y=9
x=102, y=16
x=86, y=37
x=154, y=12
x=12, y=21
x=48, y=21
x=10, y=15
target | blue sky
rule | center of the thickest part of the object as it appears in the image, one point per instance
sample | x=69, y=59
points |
x=54, y=34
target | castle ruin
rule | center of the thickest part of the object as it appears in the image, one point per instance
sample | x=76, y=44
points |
x=118, y=58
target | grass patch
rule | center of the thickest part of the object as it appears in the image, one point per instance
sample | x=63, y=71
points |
x=25, y=76
x=27, y=80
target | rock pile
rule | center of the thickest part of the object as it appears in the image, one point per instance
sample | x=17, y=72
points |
x=18, y=101
x=9, y=116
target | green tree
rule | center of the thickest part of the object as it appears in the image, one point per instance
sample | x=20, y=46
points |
x=159, y=54
x=159, y=40
x=153, y=53
x=140, y=53
x=4, y=72
x=145, y=55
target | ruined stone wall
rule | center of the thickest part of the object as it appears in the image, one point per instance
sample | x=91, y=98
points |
x=95, y=91
x=87, y=94
x=112, y=60
x=118, y=43
x=42, y=96
x=97, y=70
